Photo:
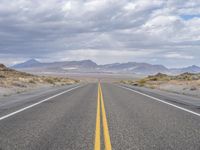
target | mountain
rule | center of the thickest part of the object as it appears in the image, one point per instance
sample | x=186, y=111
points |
x=190, y=69
x=83, y=65
x=133, y=67
x=27, y=64
x=89, y=66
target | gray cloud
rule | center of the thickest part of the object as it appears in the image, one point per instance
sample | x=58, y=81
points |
x=102, y=30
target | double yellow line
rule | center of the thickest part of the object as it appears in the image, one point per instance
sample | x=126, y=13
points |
x=101, y=111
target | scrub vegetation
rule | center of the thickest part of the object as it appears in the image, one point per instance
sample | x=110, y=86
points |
x=186, y=83
x=20, y=81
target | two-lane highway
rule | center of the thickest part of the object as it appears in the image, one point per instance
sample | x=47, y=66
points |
x=100, y=116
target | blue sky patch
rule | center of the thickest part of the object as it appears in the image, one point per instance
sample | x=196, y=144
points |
x=188, y=17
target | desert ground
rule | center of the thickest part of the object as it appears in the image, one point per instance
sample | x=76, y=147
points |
x=12, y=81
x=186, y=83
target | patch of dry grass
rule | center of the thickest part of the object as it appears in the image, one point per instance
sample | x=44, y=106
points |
x=186, y=83
x=12, y=78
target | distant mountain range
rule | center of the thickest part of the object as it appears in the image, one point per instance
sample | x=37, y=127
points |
x=89, y=66
x=28, y=64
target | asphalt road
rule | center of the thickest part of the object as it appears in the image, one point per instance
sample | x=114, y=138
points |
x=91, y=116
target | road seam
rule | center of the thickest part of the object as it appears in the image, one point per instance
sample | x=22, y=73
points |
x=35, y=104
x=162, y=101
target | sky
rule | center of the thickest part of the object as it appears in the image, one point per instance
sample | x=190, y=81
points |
x=163, y=32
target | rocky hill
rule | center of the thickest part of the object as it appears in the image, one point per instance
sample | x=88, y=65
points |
x=185, y=83
x=11, y=79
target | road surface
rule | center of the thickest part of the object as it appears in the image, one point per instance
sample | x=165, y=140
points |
x=98, y=116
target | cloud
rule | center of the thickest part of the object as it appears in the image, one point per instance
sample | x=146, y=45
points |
x=103, y=30
x=178, y=56
x=99, y=55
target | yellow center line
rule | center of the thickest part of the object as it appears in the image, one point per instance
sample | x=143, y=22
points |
x=100, y=104
x=97, y=145
x=105, y=124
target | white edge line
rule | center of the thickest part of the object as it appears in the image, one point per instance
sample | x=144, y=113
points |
x=157, y=99
x=35, y=104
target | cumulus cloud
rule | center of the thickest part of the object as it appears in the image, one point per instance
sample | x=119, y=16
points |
x=102, y=30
